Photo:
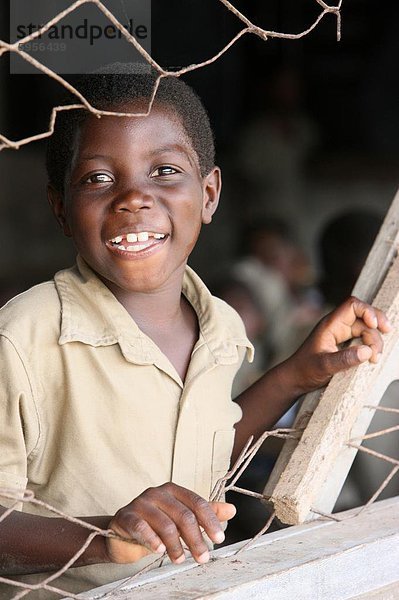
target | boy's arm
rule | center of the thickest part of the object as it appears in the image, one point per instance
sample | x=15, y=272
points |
x=35, y=544
x=311, y=367
x=156, y=521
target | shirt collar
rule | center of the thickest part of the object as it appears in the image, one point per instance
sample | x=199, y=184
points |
x=91, y=314
x=220, y=326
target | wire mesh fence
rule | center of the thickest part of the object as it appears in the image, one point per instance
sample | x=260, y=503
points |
x=229, y=481
x=249, y=28
x=224, y=485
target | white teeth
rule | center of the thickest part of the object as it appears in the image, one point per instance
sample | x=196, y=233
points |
x=131, y=237
x=136, y=248
x=143, y=236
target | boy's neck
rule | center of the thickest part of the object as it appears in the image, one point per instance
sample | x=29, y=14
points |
x=167, y=317
x=157, y=308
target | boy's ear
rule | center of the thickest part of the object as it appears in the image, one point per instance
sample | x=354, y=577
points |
x=56, y=202
x=211, y=188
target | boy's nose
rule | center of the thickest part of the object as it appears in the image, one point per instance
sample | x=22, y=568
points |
x=132, y=200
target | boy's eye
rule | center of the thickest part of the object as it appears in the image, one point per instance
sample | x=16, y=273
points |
x=164, y=171
x=98, y=178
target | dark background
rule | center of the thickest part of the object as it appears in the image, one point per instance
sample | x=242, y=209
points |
x=305, y=130
x=348, y=92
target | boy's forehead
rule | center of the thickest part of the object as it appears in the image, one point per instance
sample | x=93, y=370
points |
x=163, y=126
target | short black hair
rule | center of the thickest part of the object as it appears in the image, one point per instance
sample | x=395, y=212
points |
x=114, y=86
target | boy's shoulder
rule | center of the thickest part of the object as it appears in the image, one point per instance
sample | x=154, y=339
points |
x=36, y=309
x=232, y=328
x=229, y=316
x=212, y=310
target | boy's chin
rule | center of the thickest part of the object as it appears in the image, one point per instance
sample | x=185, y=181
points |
x=144, y=283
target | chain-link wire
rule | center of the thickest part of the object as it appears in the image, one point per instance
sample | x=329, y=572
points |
x=224, y=485
x=250, y=28
x=228, y=482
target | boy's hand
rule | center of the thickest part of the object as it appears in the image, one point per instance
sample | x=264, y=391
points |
x=161, y=518
x=320, y=356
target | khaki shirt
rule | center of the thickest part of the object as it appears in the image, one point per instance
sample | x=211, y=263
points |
x=93, y=413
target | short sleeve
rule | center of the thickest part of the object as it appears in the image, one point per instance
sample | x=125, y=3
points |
x=18, y=418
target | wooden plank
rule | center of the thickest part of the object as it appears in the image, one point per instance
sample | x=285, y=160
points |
x=374, y=271
x=302, y=419
x=388, y=592
x=338, y=418
x=315, y=561
x=381, y=255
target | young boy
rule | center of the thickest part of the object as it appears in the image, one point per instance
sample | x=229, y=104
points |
x=116, y=376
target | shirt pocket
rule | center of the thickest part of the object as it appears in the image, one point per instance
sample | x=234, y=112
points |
x=223, y=442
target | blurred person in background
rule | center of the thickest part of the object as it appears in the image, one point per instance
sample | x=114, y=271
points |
x=239, y=295
x=279, y=274
x=344, y=244
x=271, y=289
x=251, y=514
x=275, y=145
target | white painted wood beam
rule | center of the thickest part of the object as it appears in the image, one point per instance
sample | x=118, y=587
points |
x=316, y=561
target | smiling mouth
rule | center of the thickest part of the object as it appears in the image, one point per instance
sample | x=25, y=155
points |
x=136, y=242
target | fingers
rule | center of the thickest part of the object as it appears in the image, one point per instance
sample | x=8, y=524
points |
x=189, y=513
x=333, y=362
x=352, y=319
x=365, y=322
x=321, y=355
x=372, y=317
x=354, y=309
x=165, y=518
x=371, y=338
x=182, y=522
x=166, y=526
x=223, y=510
x=129, y=551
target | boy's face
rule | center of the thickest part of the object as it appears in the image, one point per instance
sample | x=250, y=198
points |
x=135, y=200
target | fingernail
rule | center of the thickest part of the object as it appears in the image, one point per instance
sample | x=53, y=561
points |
x=204, y=557
x=180, y=559
x=161, y=549
x=375, y=321
x=219, y=537
x=364, y=353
